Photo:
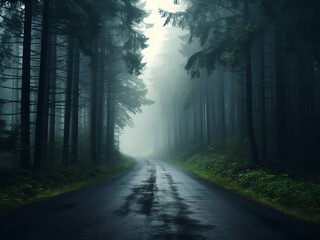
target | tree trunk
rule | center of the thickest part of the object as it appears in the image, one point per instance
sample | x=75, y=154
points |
x=75, y=104
x=47, y=91
x=222, y=108
x=214, y=119
x=100, y=103
x=108, y=138
x=15, y=84
x=113, y=123
x=195, y=121
x=242, y=112
x=201, y=114
x=53, y=82
x=253, y=143
x=40, y=119
x=208, y=112
x=93, y=108
x=263, y=101
x=282, y=141
x=65, y=153
x=232, y=112
x=25, y=88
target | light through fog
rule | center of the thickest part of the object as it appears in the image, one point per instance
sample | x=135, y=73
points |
x=139, y=140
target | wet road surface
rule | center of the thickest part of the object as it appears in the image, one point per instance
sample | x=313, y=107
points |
x=152, y=200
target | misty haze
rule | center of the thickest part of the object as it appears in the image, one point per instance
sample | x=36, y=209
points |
x=159, y=119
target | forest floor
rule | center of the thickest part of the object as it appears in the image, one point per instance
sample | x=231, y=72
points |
x=295, y=193
x=21, y=187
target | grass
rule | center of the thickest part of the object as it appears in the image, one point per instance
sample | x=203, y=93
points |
x=21, y=187
x=294, y=193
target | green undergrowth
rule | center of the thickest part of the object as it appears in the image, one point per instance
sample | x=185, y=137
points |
x=21, y=187
x=295, y=194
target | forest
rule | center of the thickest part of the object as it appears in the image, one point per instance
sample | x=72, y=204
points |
x=204, y=114
x=253, y=78
x=69, y=76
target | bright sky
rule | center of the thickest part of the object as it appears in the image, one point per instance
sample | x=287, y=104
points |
x=157, y=33
x=139, y=140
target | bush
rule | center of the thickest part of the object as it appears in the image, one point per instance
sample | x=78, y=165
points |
x=20, y=187
x=297, y=194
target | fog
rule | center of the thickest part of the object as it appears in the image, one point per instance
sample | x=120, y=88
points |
x=220, y=80
x=158, y=76
x=122, y=95
x=140, y=139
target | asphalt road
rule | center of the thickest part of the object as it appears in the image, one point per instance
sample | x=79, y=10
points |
x=152, y=200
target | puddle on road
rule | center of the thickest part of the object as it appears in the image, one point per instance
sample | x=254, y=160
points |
x=141, y=199
x=168, y=213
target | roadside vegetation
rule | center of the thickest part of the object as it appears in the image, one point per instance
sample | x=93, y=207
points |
x=21, y=187
x=293, y=192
